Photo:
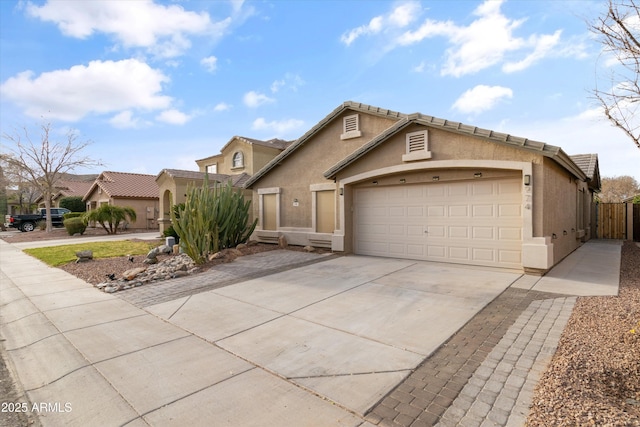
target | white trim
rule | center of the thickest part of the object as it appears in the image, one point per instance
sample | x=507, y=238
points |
x=270, y=190
x=327, y=186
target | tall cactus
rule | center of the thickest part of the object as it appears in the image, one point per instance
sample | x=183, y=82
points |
x=212, y=219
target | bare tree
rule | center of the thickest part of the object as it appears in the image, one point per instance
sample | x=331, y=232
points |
x=618, y=188
x=44, y=162
x=619, y=33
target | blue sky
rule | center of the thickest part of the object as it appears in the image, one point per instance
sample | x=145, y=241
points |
x=158, y=84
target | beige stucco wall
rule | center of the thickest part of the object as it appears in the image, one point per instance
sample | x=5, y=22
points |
x=144, y=220
x=307, y=164
x=177, y=187
x=218, y=159
x=560, y=213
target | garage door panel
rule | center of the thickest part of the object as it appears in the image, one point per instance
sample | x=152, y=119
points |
x=484, y=255
x=485, y=233
x=482, y=210
x=468, y=222
x=459, y=253
x=510, y=233
x=510, y=210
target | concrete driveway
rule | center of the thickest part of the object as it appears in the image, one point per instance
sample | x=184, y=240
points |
x=347, y=330
x=313, y=346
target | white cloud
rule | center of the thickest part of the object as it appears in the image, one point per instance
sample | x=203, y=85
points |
x=210, y=63
x=100, y=87
x=125, y=120
x=255, y=99
x=586, y=132
x=173, y=117
x=279, y=127
x=222, y=106
x=290, y=81
x=419, y=68
x=488, y=41
x=481, y=98
x=164, y=30
x=401, y=16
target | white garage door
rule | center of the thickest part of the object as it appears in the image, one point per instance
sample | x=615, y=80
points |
x=469, y=222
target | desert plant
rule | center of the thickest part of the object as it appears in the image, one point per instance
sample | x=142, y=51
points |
x=75, y=225
x=110, y=217
x=212, y=219
x=73, y=203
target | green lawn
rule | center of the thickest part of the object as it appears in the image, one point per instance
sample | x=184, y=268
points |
x=59, y=255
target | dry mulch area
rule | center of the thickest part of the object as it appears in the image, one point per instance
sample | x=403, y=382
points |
x=594, y=376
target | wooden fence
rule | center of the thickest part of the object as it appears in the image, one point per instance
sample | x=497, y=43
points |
x=611, y=220
x=636, y=222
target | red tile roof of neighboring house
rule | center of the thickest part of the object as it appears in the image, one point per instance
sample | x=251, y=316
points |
x=73, y=188
x=127, y=185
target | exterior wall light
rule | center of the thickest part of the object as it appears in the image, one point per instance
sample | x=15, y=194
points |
x=402, y=180
x=342, y=191
x=477, y=175
x=435, y=178
x=527, y=180
x=374, y=182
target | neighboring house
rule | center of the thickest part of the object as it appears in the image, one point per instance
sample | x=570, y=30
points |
x=68, y=188
x=240, y=158
x=123, y=189
x=370, y=181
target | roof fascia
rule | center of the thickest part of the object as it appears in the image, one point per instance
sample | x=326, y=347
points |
x=348, y=105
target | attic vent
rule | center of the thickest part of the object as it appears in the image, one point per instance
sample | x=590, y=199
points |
x=351, y=127
x=417, y=146
x=416, y=141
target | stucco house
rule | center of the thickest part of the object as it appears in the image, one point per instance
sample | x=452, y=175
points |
x=68, y=188
x=371, y=181
x=238, y=160
x=138, y=191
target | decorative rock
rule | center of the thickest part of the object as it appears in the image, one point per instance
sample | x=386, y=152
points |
x=132, y=273
x=216, y=256
x=282, y=242
x=153, y=253
x=150, y=261
x=235, y=252
x=110, y=289
x=309, y=249
x=165, y=249
x=241, y=246
x=252, y=242
x=84, y=256
x=180, y=273
x=176, y=249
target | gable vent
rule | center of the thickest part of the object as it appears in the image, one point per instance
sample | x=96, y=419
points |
x=351, y=127
x=417, y=146
x=416, y=141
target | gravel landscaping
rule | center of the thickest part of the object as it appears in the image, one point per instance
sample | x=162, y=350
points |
x=594, y=376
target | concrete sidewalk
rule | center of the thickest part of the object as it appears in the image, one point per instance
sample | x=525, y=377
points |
x=279, y=350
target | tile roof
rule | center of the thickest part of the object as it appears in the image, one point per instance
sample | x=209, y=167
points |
x=127, y=185
x=404, y=120
x=73, y=188
x=236, y=180
x=586, y=162
x=279, y=144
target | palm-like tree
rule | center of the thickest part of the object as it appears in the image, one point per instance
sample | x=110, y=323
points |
x=110, y=217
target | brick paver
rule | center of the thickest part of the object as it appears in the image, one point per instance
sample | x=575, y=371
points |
x=439, y=380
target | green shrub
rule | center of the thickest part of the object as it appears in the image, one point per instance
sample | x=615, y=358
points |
x=171, y=232
x=75, y=225
x=110, y=217
x=73, y=203
x=72, y=215
x=212, y=219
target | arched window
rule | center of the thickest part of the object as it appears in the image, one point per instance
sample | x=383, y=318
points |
x=238, y=160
